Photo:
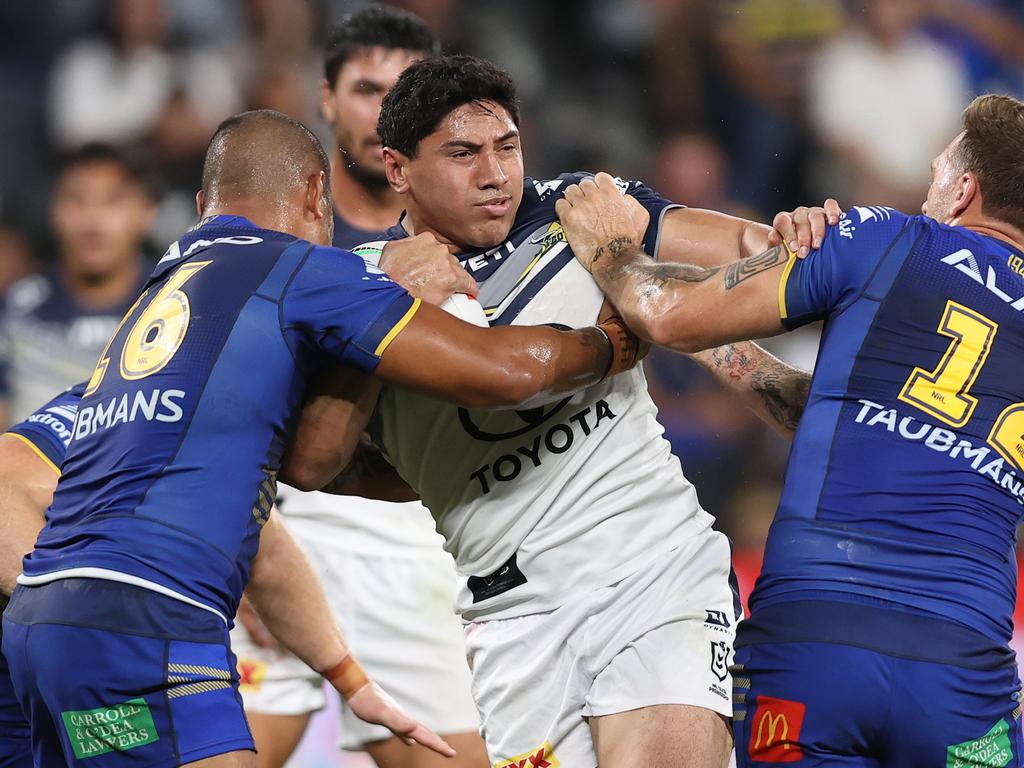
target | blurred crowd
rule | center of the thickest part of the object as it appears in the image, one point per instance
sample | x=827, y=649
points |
x=746, y=106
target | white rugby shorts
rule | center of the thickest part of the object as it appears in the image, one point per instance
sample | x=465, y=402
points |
x=396, y=614
x=663, y=635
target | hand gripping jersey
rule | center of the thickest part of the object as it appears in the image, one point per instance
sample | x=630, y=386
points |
x=540, y=504
x=172, y=466
x=905, y=481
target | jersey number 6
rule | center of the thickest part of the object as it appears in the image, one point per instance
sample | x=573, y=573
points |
x=156, y=335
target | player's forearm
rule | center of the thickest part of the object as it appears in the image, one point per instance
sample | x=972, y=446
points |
x=371, y=476
x=505, y=367
x=645, y=292
x=286, y=593
x=339, y=402
x=775, y=391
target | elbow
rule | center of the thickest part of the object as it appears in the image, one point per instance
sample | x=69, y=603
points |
x=310, y=475
x=665, y=331
x=513, y=387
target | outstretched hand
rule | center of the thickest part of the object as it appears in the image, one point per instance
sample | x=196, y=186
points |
x=373, y=705
x=596, y=215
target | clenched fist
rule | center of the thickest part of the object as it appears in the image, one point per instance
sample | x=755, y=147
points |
x=595, y=214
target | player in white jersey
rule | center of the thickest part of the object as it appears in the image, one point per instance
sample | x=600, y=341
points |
x=381, y=563
x=597, y=597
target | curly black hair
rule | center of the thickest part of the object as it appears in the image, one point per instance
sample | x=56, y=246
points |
x=430, y=89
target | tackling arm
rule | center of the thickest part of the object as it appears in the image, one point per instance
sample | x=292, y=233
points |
x=444, y=357
x=684, y=307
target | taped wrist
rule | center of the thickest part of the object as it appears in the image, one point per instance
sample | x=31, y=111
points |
x=624, y=345
x=347, y=676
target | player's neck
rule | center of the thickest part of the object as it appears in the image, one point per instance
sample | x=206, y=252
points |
x=110, y=289
x=999, y=230
x=414, y=226
x=362, y=206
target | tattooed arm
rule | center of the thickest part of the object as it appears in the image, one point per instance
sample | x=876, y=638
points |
x=682, y=307
x=774, y=391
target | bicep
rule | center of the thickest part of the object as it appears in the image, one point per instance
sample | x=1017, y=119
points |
x=708, y=238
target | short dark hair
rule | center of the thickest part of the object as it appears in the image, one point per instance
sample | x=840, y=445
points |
x=137, y=164
x=993, y=148
x=377, y=25
x=429, y=90
x=261, y=152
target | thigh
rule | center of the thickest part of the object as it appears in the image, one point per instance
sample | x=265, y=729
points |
x=662, y=736
x=810, y=704
x=276, y=737
x=399, y=619
x=665, y=635
x=530, y=686
x=953, y=716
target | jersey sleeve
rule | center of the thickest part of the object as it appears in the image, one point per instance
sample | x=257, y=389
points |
x=831, y=277
x=344, y=307
x=48, y=430
x=655, y=204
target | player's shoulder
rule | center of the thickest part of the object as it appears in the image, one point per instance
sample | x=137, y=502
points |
x=344, y=267
x=537, y=191
x=49, y=428
x=873, y=217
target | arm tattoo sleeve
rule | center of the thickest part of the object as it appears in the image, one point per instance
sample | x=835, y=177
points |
x=775, y=391
x=739, y=271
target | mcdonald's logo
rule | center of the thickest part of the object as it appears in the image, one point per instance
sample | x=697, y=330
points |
x=775, y=731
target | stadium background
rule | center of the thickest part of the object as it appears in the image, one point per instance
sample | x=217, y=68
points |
x=747, y=106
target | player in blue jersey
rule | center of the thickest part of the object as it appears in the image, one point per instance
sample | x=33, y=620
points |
x=31, y=453
x=353, y=540
x=880, y=625
x=170, y=474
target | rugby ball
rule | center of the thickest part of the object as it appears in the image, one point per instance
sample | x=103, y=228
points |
x=465, y=308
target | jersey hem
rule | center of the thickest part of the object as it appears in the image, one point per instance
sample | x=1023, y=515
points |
x=106, y=574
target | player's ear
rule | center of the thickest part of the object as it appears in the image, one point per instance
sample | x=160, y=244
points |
x=199, y=203
x=316, y=191
x=966, y=192
x=395, y=168
x=327, y=102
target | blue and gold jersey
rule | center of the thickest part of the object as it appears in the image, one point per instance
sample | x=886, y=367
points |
x=905, y=482
x=48, y=431
x=173, y=459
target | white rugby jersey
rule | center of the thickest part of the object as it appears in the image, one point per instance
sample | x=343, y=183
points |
x=355, y=524
x=538, y=505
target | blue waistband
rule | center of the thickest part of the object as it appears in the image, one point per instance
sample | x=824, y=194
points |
x=888, y=630
x=114, y=607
